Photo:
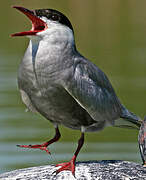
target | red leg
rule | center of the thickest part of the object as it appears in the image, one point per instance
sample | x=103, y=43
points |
x=70, y=166
x=44, y=145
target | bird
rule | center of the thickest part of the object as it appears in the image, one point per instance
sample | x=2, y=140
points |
x=142, y=141
x=62, y=85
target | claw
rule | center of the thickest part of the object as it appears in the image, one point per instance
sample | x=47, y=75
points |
x=41, y=147
x=44, y=146
x=70, y=166
x=67, y=166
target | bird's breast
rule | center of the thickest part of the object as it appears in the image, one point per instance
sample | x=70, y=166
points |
x=42, y=80
x=50, y=99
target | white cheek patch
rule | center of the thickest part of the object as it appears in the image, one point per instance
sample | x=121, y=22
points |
x=44, y=19
x=56, y=32
x=48, y=21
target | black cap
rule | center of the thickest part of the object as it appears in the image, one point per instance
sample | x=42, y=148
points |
x=54, y=15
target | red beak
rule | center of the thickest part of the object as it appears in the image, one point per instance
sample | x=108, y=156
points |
x=38, y=25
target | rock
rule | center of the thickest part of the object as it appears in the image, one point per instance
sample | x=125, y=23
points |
x=90, y=170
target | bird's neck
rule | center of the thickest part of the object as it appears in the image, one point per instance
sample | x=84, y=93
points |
x=51, y=54
x=53, y=46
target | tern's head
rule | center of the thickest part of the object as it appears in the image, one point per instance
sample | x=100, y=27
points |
x=46, y=22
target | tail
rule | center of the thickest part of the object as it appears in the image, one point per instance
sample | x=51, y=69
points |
x=133, y=120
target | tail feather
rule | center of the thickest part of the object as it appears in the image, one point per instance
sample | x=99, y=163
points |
x=130, y=117
x=126, y=126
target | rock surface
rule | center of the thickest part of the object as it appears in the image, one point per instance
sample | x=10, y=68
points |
x=91, y=170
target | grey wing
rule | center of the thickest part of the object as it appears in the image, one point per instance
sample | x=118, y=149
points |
x=93, y=91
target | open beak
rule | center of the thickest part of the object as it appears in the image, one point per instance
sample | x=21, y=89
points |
x=38, y=25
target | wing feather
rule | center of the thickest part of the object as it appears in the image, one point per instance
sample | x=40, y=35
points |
x=92, y=90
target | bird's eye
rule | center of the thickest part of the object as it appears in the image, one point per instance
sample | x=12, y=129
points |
x=54, y=17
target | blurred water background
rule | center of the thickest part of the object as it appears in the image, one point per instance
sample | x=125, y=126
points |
x=112, y=34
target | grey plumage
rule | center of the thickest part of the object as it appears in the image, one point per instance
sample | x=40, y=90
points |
x=66, y=88
x=58, y=82
x=142, y=141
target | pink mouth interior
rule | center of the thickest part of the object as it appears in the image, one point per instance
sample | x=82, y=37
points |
x=38, y=25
